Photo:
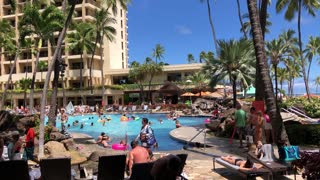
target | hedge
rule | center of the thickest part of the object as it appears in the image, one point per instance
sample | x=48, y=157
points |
x=304, y=134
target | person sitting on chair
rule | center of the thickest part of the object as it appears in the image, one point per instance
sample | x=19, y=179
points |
x=259, y=152
x=244, y=165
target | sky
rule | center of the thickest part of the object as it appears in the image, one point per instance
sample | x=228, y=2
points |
x=182, y=27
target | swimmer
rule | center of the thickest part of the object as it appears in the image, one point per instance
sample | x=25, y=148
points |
x=81, y=126
x=108, y=118
x=92, y=124
x=160, y=121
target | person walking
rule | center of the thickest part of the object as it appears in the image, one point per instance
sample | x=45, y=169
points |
x=29, y=143
x=240, y=120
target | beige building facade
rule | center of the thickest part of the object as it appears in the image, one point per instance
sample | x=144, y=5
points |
x=115, y=57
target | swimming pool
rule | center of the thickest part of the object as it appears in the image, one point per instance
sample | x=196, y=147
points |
x=117, y=129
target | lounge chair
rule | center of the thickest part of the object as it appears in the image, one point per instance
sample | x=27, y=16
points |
x=124, y=109
x=145, y=108
x=244, y=173
x=16, y=170
x=120, y=108
x=269, y=161
x=133, y=108
x=142, y=171
x=111, y=167
x=183, y=158
x=55, y=168
x=156, y=109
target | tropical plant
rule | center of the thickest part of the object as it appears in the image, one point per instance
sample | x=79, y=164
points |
x=25, y=84
x=42, y=66
x=261, y=58
x=50, y=68
x=82, y=41
x=102, y=29
x=282, y=76
x=236, y=62
x=152, y=69
x=202, y=56
x=43, y=25
x=200, y=81
x=247, y=26
x=317, y=83
x=10, y=47
x=275, y=50
x=312, y=49
x=158, y=52
x=190, y=59
x=292, y=7
x=240, y=20
x=137, y=74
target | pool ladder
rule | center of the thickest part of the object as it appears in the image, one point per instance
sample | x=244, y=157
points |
x=204, y=139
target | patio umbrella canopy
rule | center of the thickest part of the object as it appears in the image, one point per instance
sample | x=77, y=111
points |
x=169, y=89
x=187, y=94
x=214, y=95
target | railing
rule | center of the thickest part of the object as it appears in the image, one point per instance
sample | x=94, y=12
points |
x=204, y=139
x=296, y=111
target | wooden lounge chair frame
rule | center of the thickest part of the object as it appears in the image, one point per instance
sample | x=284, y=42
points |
x=243, y=173
x=142, y=171
x=111, y=167
x=55, y=168
x=183, y=158
x=271, y=163
x=16, y=169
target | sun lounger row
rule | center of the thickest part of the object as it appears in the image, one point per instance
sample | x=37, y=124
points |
x=133, y=108
x=109, y=168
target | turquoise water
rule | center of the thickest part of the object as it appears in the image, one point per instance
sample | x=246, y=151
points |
x=117, y=129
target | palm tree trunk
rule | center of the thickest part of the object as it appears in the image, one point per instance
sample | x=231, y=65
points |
x=276, y=83
x=234, y=90
x=274, y=113
x=102, y=72
x=91, y=62
x=46, y=83
x=263, y=16
x=305, y=78
x=240, y=19
x=4, y=94
x=212, y=27
x=53, y=105
x=33, y=81
x=81, y=77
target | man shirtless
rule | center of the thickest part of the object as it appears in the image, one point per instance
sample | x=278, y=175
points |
x=138, y=154
x=103, y=140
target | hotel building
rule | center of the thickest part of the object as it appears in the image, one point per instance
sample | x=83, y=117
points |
x=115, y=56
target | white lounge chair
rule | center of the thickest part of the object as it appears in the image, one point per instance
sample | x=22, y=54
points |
x=133, y=108
x=120, y=108
x=156, y=109
x=145, y=108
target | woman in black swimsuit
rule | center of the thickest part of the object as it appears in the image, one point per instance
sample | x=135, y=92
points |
x=244, y=165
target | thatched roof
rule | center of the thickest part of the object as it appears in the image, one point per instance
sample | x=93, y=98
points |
x=169, y=89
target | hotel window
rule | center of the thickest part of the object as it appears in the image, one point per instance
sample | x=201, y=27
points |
x=75, y=84
x=122, y=56
x=27, y=69
x=174, y=77
x=121, y=24
x=13, y=23
x=44, y=54
x=121, y=34
x=122, y=65
x=76, y=65
x=122, y=45
x=121, y=12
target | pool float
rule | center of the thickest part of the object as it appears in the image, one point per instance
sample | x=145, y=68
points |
x=136, y=118
x=119, y=147
x=207, y=121
x=124, y=118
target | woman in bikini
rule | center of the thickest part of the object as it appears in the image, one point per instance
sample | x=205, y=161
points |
x=244, y=165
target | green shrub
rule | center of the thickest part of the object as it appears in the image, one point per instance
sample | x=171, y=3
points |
x=307, y=134
x=312, y=108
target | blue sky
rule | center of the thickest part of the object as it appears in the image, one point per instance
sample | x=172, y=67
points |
x=182, y=27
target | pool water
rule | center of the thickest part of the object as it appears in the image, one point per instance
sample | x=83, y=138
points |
x=117, y=129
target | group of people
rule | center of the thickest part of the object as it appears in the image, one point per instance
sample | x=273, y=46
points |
x=14, y=145
x=254, y=124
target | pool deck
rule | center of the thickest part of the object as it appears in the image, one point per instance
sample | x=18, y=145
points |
x=199, y=164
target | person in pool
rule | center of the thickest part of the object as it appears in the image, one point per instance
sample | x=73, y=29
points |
x=244, y=165
x=103, y=140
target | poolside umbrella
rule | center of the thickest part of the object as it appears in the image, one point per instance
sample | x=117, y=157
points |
x=214, y=95
x=188, y=94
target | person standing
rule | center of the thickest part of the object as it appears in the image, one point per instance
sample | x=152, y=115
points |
x=240, y=120
x=138, y=154
x=29, y=143
x=64, y=120
x=259, y=126
x=146, y=136
x=268, y=128
x=1, y=147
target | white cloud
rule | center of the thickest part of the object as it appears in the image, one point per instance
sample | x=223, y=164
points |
x=183, y=30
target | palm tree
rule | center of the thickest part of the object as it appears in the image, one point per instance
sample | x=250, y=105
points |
x=312, y=49
x=274, y=113
x=25, y=84
x=190, y=59
x=7, y=42
x=138, y=75
x=247, y=26
x=50, y=68
x=152, y=69
x=103, y=29
x=240, y=20
x=42, y=24
x=282, y=75
x=275, y=50
x=200, y=80
x=158, y=52
x=236, y=62
x=293, y=7
x=317, y=83
x=81, y=40
x=211, y=24
x=42, y=66
x=202, y=56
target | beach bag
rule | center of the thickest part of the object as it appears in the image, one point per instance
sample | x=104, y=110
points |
x=267, y=118
x=289, y=153
x=151, y=140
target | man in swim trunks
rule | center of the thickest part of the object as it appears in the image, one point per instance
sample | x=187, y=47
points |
x=244, y=165
x=138, y=154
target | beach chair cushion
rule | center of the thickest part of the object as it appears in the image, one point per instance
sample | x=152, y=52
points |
x=227, y=164
x=142, y=171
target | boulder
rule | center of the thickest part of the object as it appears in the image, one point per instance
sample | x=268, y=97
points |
x=94, y=156
x=57, y=136
x=69, y=144
x=54, y=129
x=54, y=148
x=7, y=120
x=213, y=125
x=28, y=120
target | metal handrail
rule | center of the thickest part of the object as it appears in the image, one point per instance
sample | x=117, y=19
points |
x=297, y=109
x=204, y=140
x=299, y=113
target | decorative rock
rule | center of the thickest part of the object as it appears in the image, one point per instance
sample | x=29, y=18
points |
x=57, y=136
x=54, y=129
x=54, y=147
x=28, y=120
x=96, y=154
x=69, y=144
